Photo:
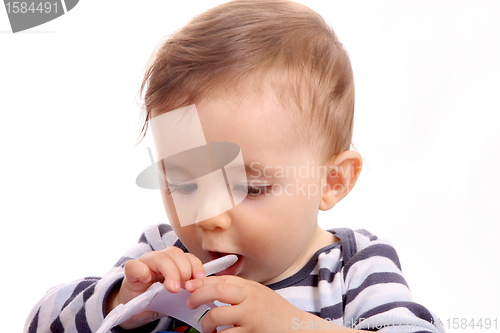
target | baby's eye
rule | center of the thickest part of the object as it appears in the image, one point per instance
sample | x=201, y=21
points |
x=255, y=191
x=184, y=188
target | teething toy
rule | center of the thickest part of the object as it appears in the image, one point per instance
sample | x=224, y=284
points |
x=160, y=300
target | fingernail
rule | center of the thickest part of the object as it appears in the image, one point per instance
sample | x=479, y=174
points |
x=147, y=279
x=189, y=285
x=199, y=275
x=177, y=285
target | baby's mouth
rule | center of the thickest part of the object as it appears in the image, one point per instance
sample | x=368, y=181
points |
x=215, y=254
x=233, y=269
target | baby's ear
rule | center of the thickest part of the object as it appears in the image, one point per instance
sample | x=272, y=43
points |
x=343, y=173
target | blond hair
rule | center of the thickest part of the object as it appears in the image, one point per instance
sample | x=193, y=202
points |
x=279, y=41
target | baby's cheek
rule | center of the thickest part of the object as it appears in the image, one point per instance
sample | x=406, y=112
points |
x=168, y=204
x=188, y=237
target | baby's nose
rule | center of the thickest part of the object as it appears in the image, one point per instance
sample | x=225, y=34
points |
x=222, y=221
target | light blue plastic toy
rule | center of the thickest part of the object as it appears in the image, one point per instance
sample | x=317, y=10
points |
x=160, y=300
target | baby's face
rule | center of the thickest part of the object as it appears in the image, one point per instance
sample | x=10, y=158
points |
x=276, y=222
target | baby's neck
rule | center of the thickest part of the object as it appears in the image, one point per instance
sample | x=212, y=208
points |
x=319, y=239
x=323, y=238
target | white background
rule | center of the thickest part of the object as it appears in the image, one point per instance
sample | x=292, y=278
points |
x=427, y=124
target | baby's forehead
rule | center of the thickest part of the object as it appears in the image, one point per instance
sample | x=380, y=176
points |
x=251, y=116
x=258, y=117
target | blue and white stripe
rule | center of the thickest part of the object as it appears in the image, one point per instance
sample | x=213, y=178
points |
x=356, y=282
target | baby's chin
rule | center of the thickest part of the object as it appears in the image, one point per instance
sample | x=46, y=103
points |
x=264, y=277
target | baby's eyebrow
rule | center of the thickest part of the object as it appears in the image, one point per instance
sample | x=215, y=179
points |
x=255, y=169
x=252, y=170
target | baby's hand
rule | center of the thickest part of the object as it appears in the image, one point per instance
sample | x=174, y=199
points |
x=172, y=265
x=255, y=307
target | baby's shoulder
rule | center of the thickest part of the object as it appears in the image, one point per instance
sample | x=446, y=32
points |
x=364, y=239
x=360, y=244
x=160, y=236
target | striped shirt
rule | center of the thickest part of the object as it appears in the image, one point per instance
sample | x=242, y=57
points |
x=355, y=282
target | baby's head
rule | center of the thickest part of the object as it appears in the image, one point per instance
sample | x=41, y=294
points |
x=277, y=48
x=271, y=77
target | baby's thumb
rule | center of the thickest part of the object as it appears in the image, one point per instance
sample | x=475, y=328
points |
x=138, y=276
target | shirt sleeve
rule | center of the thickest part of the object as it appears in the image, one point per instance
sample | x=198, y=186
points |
x=79, y=306
x=377, y=297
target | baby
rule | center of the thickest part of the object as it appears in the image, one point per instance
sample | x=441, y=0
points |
x=272, y=78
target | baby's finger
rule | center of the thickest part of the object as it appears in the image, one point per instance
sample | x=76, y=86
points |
x=196, y=265
x=223, y=292
x=182, y=261
x=161, y=263
x=194, y=284
x=137, y=272
x=222, y=316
